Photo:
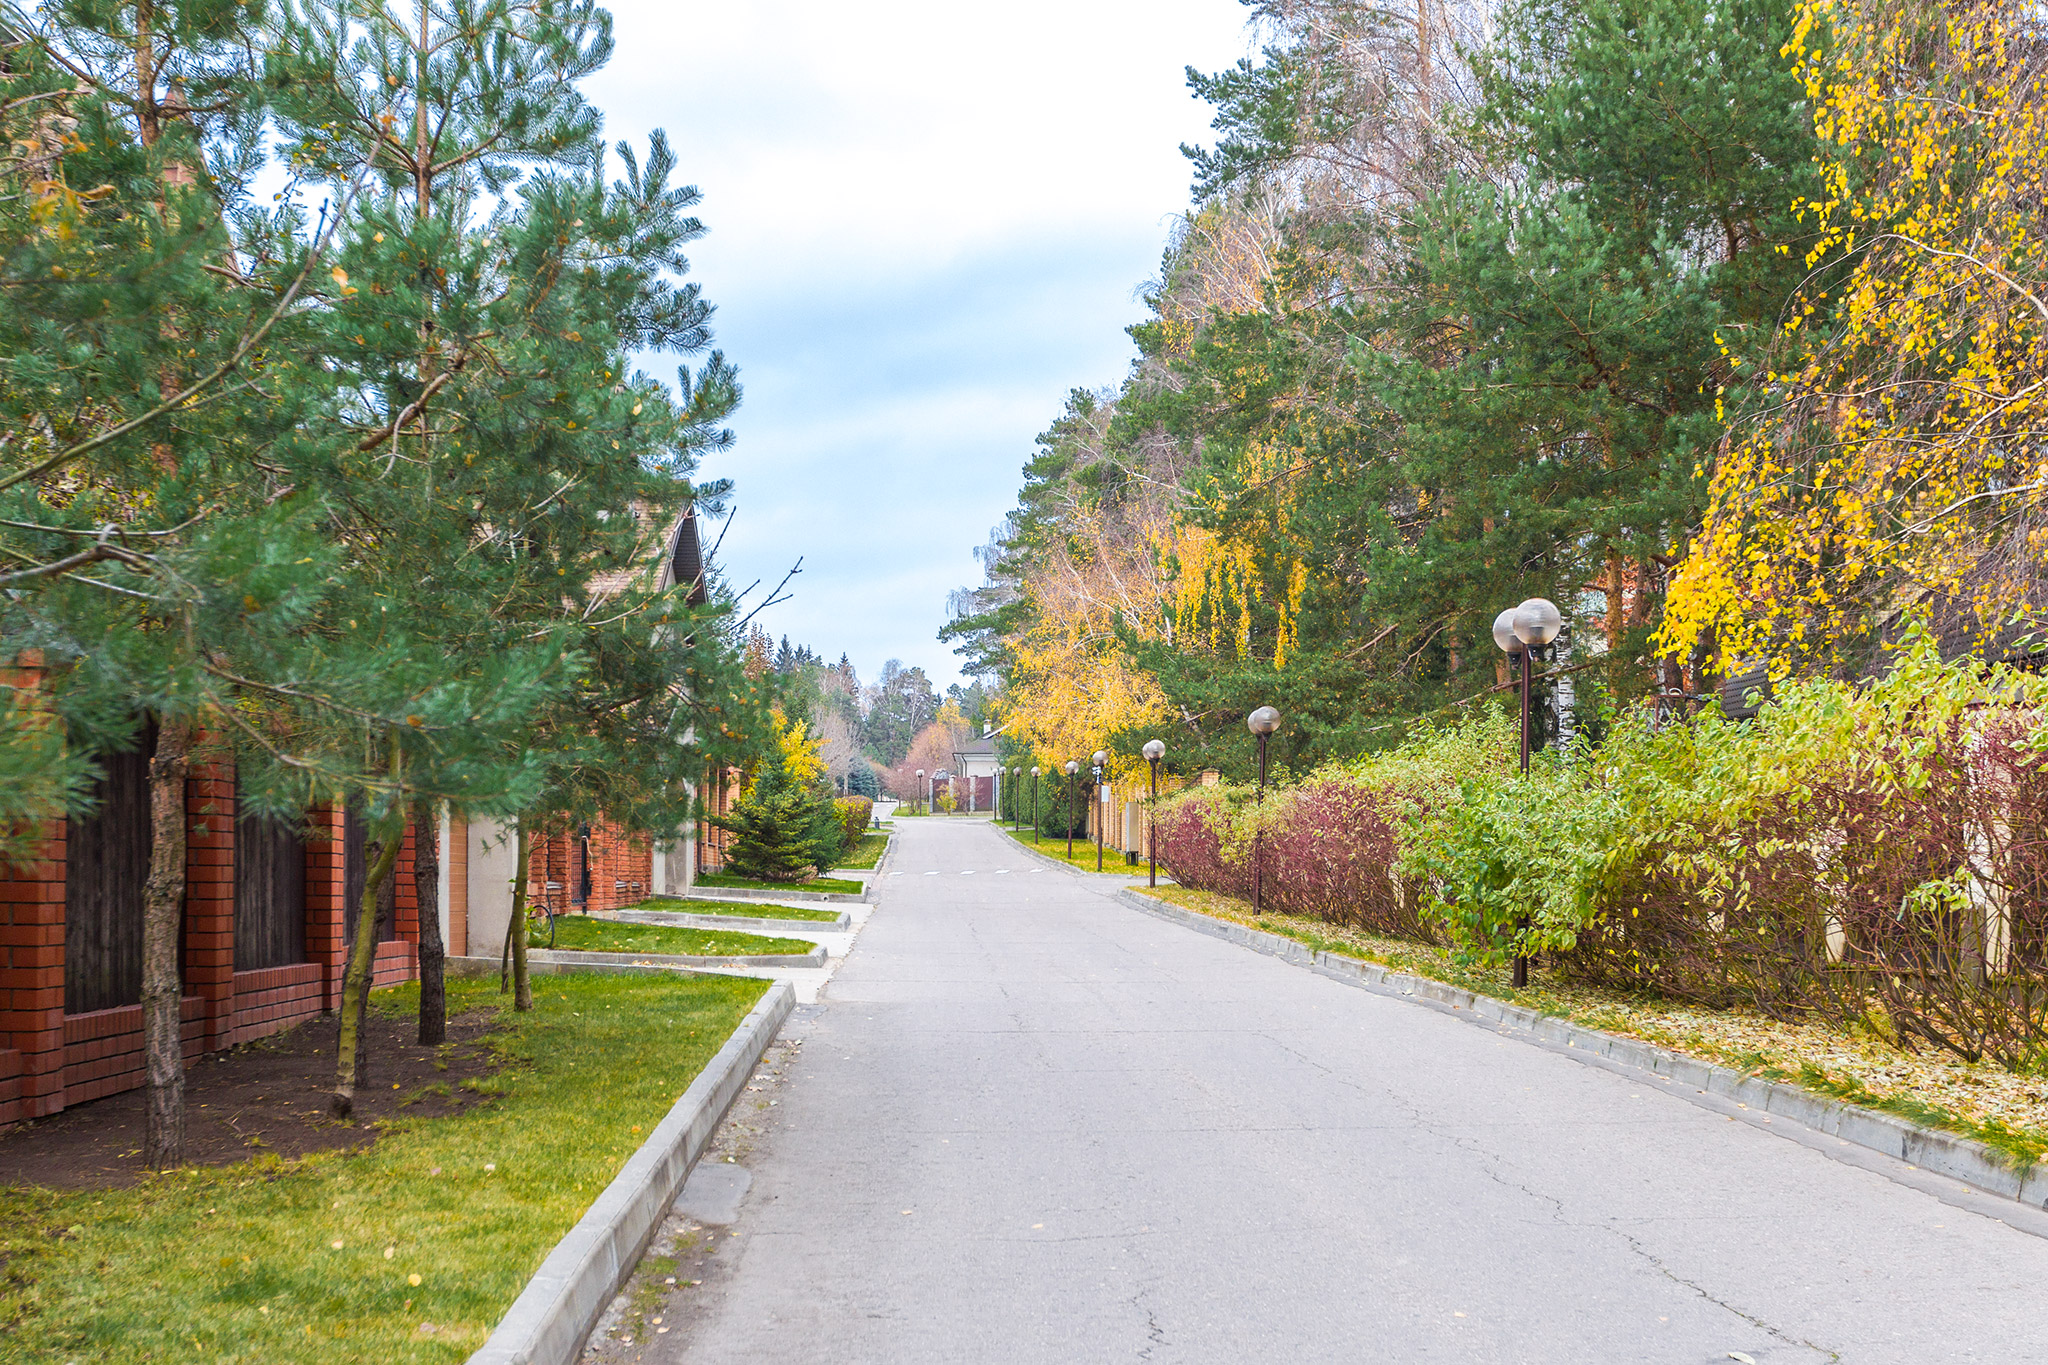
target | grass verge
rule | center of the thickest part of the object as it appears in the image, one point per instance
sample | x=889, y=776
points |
x=2006, y=1112
x=409, y=1251
x=676, y=905
x=838, y=886
x=867, y=853
x=583, y=934
x=1084, y=853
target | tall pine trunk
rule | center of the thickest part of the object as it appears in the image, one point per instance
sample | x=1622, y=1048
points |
x=163, y=916
x=426, y=893
x=522, y=983
x=355, y=983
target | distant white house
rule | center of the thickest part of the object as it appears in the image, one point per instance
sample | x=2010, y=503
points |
x=975, y=762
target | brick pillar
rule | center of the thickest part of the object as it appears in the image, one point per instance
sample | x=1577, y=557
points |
x=32, y=973
x=210, y=898
x=324, y=919
x=405, y=906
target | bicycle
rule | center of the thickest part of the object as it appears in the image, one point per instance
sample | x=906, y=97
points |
x=542, y=911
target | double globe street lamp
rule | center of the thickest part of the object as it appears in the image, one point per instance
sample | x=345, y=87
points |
x=1523, y=632
x=1154, y=750
x=1262, y=723
x=1100, y=801
x=1073, y=767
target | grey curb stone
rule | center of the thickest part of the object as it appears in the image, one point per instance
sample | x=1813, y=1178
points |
x=1930, y=1149
x=488, y=966
x=740, y=922
x=584, y=958
x=742, y=893
x=1062, y=865
x=548, y=1322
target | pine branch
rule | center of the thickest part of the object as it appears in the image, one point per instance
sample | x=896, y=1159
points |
x=241, y=352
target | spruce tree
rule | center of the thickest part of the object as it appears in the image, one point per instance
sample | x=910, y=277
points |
x=783, y=830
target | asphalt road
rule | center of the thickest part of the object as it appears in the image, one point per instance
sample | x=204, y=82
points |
x=1030, y=1124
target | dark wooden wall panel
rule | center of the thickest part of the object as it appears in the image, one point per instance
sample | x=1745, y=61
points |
x=270, y=892
x=355, y=871
x=106, y=863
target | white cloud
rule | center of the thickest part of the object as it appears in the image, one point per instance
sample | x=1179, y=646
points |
x=927, y=222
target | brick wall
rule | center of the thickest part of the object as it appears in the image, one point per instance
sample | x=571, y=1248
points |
x=32, y=980
x=103, y=1048
x=49, y=1059
x=271, y=999
x=621, y=869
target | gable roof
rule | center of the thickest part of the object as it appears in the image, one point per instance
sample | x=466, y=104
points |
x=681, y=560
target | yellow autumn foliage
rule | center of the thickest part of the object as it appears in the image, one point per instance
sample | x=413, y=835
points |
x=1898, y=460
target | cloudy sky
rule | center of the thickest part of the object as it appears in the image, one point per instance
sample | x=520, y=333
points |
x=928, y=222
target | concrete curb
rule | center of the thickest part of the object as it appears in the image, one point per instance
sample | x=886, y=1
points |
x=584, y=958
x=742, y=923
x=1109, y=869
x=737, y=895
x=488, y=966
x=1929, y=1149
x=548, y=1322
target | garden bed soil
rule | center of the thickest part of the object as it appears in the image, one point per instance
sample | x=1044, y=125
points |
x=269, y=1096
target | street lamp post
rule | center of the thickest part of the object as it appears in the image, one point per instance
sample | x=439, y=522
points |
x=1101, y=806
x=1262, y=722
x=1154, y=750
x=1072, y=767
x=1034, y=806
x=920, y=782
x=1522, y=632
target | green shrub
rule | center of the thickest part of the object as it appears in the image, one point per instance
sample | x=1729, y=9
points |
x=854, y=813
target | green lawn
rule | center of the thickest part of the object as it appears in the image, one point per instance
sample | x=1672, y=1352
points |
x=583, y=934
x=408, y=1252
x=1084, y=853
x=675, y=905
x=866, y=853
x=837, y=886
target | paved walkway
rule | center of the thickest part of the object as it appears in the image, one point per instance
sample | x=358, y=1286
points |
x=1030, y=1124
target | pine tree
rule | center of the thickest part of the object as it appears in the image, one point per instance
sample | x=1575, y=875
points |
x=153, y=567
x=488, y=298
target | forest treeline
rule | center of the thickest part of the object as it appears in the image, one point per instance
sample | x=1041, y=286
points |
x=1718, y=322
x=872, y=737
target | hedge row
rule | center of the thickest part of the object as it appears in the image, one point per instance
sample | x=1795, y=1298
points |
x=1874, y=853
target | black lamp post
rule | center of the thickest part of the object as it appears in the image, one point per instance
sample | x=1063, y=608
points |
x=1101, y=760
x=1154, y=750
x=1262, y=722
x=1522, y=632
x=920, y=782
x=1034, y=806
x=1073, y=767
